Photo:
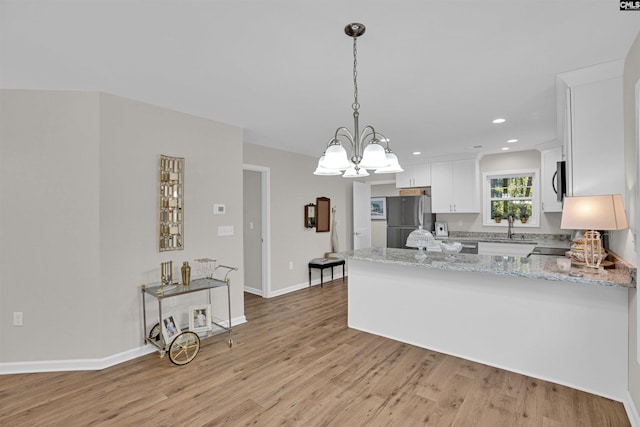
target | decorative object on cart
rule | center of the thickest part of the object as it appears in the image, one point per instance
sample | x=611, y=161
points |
x=186, y=273
x=323, y=214
x=205, y=267
x=378, y=208
x=170, y=328
x=166, y=275
x=593, y=213
x=367, y=151
x=309, y=215
x=200, y=318
x=171, y=211
x=183, y=346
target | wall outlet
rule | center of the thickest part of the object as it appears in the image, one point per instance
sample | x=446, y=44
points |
x=290, y=265
x=17, y=318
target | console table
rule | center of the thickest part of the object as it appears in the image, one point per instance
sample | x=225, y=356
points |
x=323, y=263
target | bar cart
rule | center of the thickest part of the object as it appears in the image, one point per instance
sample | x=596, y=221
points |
x=184, y=346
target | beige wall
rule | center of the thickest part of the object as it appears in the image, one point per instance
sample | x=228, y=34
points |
x=622, y=242
x=293, y=185
x=530, y=159
x=80, y=235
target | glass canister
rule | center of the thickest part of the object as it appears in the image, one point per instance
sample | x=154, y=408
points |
x=186, y=273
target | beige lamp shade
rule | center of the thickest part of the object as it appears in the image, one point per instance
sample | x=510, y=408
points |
x=594, y=213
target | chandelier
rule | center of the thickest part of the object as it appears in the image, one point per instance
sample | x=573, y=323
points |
x=367, y=147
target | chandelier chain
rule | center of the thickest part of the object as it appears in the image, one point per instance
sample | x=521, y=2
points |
x=356, y=104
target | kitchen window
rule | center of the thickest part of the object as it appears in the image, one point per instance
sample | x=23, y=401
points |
x=514, y=193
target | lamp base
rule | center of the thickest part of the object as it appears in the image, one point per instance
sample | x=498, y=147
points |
x=593, y=249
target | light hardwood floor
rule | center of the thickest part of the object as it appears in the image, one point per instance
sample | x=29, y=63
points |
x=295, y=363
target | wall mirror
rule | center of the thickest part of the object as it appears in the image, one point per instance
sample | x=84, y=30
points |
x=310, y=215
x=171, y=212
x=323, y=214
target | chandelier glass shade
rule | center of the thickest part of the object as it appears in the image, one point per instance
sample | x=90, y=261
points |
x=367, y=149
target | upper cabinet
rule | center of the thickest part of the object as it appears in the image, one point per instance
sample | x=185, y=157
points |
x=414, y=176
x=454, y=186
x=591, y=124
x=549, y=165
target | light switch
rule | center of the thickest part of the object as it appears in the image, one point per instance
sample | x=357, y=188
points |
x=225, y=230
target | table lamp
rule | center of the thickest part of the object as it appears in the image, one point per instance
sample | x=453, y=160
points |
x=593, y=213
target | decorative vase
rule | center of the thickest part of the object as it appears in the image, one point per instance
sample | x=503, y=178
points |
x=186, y=273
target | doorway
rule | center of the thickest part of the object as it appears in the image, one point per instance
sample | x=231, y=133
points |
x=256, y=230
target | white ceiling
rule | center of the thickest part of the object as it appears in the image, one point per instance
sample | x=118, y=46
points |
x=432, y=74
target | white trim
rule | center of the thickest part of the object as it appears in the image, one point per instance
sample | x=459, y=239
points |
x=299, y=286
x=266, y=224
x=87, y=364
x=253, y=291
x=632, y=411
x=534, y=221
x=382, y=182
x=594, y=73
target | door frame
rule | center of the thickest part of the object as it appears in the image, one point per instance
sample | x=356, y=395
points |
x=265, y=191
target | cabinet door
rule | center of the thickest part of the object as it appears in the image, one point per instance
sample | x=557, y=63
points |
x=465, y=195
x=405, y=179
x=422, y=175
x=441, y=187
x=549, y=160
x=597, y=141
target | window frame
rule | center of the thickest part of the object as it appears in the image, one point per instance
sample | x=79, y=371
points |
x=534, y=220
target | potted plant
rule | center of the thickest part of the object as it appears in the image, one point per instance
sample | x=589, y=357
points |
x=523, y=219
x=497, y=218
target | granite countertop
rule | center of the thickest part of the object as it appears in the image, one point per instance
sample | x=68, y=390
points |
x=534, y=267
x=544, y=240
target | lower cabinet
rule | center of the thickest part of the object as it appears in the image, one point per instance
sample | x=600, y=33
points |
x=505, y=249
x=454, y=186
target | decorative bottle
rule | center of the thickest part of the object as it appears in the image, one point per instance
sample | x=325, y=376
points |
x=186, y=273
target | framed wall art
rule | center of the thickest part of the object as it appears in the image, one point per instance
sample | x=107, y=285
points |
x=378, y=208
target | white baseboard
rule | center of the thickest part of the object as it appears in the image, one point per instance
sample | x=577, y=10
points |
x=87, y=364
x=299, y=286
x=254, y=291
x=632, y=410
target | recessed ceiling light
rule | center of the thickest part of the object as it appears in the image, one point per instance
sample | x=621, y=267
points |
x=499, y=120
x=416, y=153
x=505, y=148
x=511, y=141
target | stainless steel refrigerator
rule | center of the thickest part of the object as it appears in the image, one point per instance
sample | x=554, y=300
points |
x=403, y=216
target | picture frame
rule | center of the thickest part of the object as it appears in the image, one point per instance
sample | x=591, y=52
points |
x=378, y=208
x=442, y=229
x=200, y=318
x=170, y=327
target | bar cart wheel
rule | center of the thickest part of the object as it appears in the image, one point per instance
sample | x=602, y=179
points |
x=230, y=342
x=184, y=348
x=154, y=333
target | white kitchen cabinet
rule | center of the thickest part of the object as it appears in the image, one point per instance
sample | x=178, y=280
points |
x=414, y=176
x=454, y=186
x=590, y=104
x=549, y=160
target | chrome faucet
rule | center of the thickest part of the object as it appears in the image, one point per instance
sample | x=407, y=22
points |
x=510, y=227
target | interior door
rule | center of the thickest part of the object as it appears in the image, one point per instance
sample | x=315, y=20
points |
x=361, y=215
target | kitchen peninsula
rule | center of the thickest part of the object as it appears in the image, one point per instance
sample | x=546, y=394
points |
x=520, y=314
